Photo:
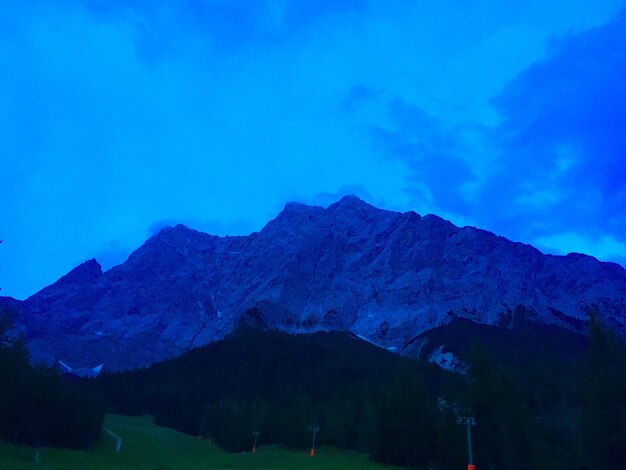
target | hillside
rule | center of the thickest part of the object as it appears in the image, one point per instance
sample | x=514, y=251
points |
x=555, y=398
x=270, y=382
x=145, y=445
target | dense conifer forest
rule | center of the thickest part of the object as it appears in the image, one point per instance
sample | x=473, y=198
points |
x=532, y=404
x=542, y=411
x=38, y=405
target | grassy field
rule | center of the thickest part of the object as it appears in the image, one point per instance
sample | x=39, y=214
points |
x=146, y=446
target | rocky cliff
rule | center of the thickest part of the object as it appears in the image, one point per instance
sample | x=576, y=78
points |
x=384, y=275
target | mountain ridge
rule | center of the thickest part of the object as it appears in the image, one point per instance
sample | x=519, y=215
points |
x=388, y=276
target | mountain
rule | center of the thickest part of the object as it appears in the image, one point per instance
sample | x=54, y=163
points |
x=386, y=276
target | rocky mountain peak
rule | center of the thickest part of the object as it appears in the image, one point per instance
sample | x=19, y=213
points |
x=349, y=206
x=351, y=202
x=178, y=232
x=295, y=210
x=83, y=274
x=384, y=275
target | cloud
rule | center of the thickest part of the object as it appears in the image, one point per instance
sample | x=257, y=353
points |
x=101, y=138
x=433, y=151
x=606, y=247
x=324, y=199
x=551, y=169
x=159, y=225
x=562, y=147
x=118, y=114
x=162, y=29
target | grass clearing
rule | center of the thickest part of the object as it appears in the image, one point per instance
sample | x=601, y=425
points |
x=150, y=447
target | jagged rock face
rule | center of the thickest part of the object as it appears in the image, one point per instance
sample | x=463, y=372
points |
x=387, y=276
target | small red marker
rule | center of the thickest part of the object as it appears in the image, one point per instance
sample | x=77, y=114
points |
x=314, y=429
x=256, y=436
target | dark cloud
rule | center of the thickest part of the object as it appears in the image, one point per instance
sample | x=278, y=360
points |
x=432, y=151
x=357, y=96
x=552, y=171
x=562, y=142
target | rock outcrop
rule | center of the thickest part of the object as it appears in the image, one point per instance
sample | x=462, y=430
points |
x=384, y=275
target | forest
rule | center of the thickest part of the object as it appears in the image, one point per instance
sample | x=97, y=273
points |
x=539, y=411
x=549, y=411
x=39, y=406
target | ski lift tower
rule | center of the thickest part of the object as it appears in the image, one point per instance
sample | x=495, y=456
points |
x=256, y=435
x=314, y=429
x=468, y=420
x=465, y=418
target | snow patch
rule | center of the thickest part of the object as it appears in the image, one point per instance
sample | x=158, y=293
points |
x=447, y=361
x=390, y=348
x=86, y=372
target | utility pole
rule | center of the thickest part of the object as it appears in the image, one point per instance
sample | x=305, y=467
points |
x=468, y=421
x=463, y=417
x=256, y=435
x=314, y=429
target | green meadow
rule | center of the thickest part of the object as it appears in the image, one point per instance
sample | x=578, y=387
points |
x=147, y=446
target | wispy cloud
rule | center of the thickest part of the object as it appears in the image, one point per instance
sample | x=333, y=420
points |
x=117, y=114
x=604, y=247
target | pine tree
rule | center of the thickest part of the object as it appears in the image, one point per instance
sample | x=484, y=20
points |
x=405, y=433
x=506, y=431
x=604, y=398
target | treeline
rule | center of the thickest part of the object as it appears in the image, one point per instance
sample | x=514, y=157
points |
x=529, y=411
x=552, y=414
x=271, y=382
x=41, y=407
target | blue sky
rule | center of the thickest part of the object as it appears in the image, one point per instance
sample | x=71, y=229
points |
x=117, y=118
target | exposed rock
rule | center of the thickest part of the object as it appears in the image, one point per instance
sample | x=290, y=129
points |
x=387, y=276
